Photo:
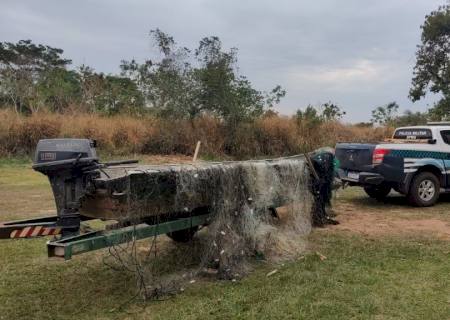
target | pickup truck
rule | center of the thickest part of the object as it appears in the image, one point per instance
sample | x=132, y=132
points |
x=415, y=162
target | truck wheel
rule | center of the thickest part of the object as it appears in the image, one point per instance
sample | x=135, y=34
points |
x=185, y=235
x=378, y=192
x=424, y=190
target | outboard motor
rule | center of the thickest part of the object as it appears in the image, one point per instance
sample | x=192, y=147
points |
x=70, y=165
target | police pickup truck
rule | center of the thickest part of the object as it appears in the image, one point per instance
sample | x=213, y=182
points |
x=415, y=162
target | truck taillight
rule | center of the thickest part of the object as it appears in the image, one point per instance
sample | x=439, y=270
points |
x=378, y=155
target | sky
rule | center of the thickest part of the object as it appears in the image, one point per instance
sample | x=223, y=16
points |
x=358, y=54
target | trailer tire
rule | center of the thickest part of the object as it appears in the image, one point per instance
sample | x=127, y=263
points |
x=424, y=190
x=378, y=192
x=184, y=235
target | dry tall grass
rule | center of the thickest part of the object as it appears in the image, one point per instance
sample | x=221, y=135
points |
x=274, y=136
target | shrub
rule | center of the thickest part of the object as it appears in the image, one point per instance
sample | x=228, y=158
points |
x=120, y=134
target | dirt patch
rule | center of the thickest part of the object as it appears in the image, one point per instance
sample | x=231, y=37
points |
x=380, y=223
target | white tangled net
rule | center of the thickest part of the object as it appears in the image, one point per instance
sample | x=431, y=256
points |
x=244, y=227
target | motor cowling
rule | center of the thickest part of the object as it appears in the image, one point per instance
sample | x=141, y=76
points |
x=60, y=154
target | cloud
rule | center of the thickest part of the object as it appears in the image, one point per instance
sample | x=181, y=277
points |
x=361, y=72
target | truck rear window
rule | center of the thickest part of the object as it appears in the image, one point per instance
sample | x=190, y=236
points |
x=413, y=133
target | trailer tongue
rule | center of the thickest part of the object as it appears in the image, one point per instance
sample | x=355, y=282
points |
x=144, y=200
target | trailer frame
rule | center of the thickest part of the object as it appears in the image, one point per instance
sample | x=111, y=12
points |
x=67, y=247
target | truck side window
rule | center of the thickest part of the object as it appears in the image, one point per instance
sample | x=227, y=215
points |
x=445, y=134
x=413, y=133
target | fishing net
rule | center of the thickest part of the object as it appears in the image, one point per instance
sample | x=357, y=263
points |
x=261, y=210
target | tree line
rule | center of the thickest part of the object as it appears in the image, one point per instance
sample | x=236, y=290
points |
x=182, y=83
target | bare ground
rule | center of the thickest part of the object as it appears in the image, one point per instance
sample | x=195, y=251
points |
x=359, y=214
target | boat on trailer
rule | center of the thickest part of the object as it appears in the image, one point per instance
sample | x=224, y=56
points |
x=147, y=200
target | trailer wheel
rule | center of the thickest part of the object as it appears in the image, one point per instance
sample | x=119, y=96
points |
x=378, y=192
x=185, y=235
x=424, y=190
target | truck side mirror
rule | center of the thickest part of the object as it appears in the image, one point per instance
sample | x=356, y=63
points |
x=431, y=141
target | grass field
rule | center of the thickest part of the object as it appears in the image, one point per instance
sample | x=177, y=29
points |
x=385, y=261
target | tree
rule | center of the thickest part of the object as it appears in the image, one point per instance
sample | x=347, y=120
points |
x=322, y=113
x=186, y=84
x=441, y=110
x=432, y=69
x=409, y=118
x=168, y=85
x=364, y=124
x=109, y=94
x=223, y=91
x=310, y=114
x=119, y=95
x=91, y=88
x=58, y=88
x=385, y=115
x=331, y=112
x=22, y=67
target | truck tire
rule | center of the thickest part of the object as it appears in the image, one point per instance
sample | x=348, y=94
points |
x=424, y=190
x=378, y=192
x=184, y=235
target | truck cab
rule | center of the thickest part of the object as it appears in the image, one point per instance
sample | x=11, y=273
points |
x=414, y=162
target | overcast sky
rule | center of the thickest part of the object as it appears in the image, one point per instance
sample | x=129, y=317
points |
x=356, y=53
